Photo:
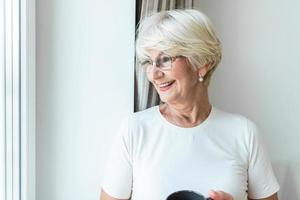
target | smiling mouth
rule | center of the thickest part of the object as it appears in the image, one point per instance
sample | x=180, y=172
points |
x=165, y=86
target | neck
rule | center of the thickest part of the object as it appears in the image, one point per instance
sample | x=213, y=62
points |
x=190, y=111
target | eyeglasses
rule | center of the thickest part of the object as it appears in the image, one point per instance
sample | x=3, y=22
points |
x=163, y=62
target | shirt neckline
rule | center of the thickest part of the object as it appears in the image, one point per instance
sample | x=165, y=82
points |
x=172, y=126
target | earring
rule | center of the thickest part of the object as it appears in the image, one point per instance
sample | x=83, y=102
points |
x=200, y=78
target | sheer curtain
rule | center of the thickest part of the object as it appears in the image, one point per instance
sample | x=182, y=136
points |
x=145, y=94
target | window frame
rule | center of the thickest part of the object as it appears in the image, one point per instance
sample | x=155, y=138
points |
x=17, y=100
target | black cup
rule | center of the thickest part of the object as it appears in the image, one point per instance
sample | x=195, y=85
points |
x=186, y=195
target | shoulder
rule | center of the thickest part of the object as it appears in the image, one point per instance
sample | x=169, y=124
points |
x=144, y=116
x=232, y=119
x=134, y=122
x=239, y=132
x=228, y=116
x=234, y=125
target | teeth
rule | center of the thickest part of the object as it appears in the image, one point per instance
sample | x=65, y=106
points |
x=165, y=84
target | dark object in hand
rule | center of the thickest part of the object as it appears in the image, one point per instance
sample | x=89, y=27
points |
x=186, y=195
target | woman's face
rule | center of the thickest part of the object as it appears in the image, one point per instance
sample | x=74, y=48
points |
x=177, y=84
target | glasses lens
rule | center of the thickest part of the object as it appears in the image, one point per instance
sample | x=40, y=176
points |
x=164, y=62
x=146, y=65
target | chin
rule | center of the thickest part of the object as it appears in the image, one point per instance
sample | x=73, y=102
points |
x=163, y=98
x=167, y=98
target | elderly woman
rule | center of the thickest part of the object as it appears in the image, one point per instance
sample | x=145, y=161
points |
x=185, y=143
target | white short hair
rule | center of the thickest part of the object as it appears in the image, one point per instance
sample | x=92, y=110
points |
x=187, y=33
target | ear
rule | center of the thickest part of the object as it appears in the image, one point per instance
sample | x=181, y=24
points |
x=203, y=69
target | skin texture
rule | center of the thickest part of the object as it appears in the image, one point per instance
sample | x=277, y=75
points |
x=183, y=106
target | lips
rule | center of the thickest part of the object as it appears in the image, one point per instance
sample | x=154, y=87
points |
x=165, y=86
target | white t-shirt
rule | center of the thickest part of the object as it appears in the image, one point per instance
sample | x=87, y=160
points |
x=152, y=158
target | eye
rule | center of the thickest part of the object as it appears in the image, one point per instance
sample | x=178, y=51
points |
x=146, y=64
x=165, y=59
x=164, y=62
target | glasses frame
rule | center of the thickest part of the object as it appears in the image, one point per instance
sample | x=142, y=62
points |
x=158, y=65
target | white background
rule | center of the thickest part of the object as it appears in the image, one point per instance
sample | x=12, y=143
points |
x=84, y=85
x=259, y=75
x=85, y=59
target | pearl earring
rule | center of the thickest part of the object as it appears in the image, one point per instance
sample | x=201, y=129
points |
x=200, y=78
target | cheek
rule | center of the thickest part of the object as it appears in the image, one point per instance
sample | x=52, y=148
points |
x=149, y=77
x=188, y=84
x=194, y=79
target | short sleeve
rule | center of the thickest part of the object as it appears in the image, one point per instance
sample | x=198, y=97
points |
x=117, y=180
x=261, y=179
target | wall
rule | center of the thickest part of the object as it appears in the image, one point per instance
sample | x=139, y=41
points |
x=84, y=87
x=259, y=75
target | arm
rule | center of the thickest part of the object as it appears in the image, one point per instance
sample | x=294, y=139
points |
x=272, y=197
x=105, y=196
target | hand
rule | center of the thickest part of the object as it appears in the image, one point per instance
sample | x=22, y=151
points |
x=219, y=195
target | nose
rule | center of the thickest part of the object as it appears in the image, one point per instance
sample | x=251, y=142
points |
x=156, y=73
